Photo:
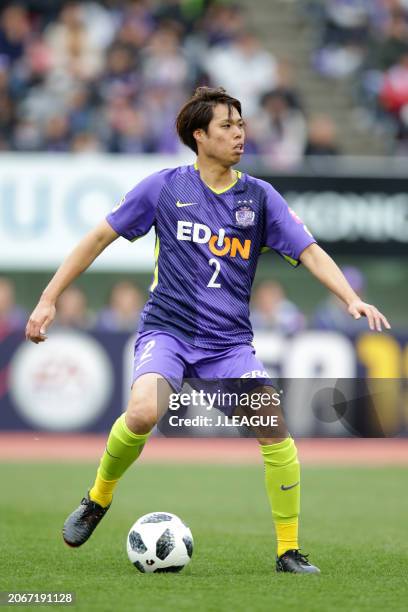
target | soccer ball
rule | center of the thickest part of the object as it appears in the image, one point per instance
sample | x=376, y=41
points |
x=159, y=542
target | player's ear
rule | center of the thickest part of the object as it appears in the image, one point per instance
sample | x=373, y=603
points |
x=199, y=135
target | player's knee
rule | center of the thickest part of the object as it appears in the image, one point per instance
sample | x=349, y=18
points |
x=141, y=415
x=140, y=422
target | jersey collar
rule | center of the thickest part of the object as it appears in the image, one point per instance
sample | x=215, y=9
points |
x=237, y=186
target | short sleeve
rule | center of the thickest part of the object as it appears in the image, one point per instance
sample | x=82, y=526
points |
x=136, y=212
x=284, y=232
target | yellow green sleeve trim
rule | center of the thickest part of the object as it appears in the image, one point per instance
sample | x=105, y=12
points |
x=292, y=261
x=156, y=267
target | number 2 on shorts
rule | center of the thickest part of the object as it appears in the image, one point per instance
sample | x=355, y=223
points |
x=149, y=345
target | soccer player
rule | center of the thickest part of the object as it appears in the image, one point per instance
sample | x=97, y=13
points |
x=211, y=223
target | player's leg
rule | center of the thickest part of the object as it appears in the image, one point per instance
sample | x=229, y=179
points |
x=282, y=472
x=279, y=453
x=282, y=482
x=130, y=433
x=148, y=400
x=125, y=444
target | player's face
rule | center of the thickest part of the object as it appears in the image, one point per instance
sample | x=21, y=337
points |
x=225, y=136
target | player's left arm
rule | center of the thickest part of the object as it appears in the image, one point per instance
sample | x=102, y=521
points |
x=322, y=266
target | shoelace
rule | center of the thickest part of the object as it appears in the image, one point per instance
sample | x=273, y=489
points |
x=301, y=557
x=91, y=508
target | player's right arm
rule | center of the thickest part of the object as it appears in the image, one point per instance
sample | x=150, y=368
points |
x=86, y=251
x=131, y=218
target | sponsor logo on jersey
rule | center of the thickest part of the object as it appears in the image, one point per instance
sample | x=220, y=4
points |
x=219, y=245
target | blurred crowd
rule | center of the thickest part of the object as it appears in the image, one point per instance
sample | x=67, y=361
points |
x=110, y=76
x=271, y=309
x=367, y=42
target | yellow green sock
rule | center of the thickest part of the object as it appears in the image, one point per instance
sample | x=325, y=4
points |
x=122, y=449
x=282, y=482
x=102, y=491
x=286, y=536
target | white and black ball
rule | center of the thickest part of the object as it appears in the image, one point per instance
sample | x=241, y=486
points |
x=159, y=542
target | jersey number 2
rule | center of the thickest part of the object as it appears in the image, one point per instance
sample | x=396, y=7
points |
x=217, y=266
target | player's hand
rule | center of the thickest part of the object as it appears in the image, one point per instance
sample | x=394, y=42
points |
x=375, y=318
x=39, y=321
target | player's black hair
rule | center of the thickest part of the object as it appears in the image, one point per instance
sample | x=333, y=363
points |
x=197, y=113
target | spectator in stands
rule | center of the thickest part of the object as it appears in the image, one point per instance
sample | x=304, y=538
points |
x=382, y=12
x=347, y=21
x=136, y=24
x=123, y=310
x=57, y=134
x=14, y=33
x=75, y=51
x=72, y=309
x=6, y=115
x=272, y=311
x=130, y=131
x=369, y=36
x=256, y=67
x=339, y=62
x=394, y=91
x=160, y=109
x=332, y=314
x=322, y=136
x=12, y=316
x=101, y=22
x=27, y=136
x=393, y=98
x=89, y=76
x=280, y=131
x=386, y=50
x=85, y=142
x=163, y=60
x=346, y=31
x=81, y=115
x=183, y=13
x=121, y=77
x=287, y=83
x=222, y=24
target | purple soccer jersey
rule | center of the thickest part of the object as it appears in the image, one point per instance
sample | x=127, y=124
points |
x=207, y=250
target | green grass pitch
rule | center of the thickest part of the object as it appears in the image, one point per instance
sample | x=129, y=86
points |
x=353, y=522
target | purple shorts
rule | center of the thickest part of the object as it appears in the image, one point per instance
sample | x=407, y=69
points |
x=174, y=359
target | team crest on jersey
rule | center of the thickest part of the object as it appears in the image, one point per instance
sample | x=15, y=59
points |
x=244, y=216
